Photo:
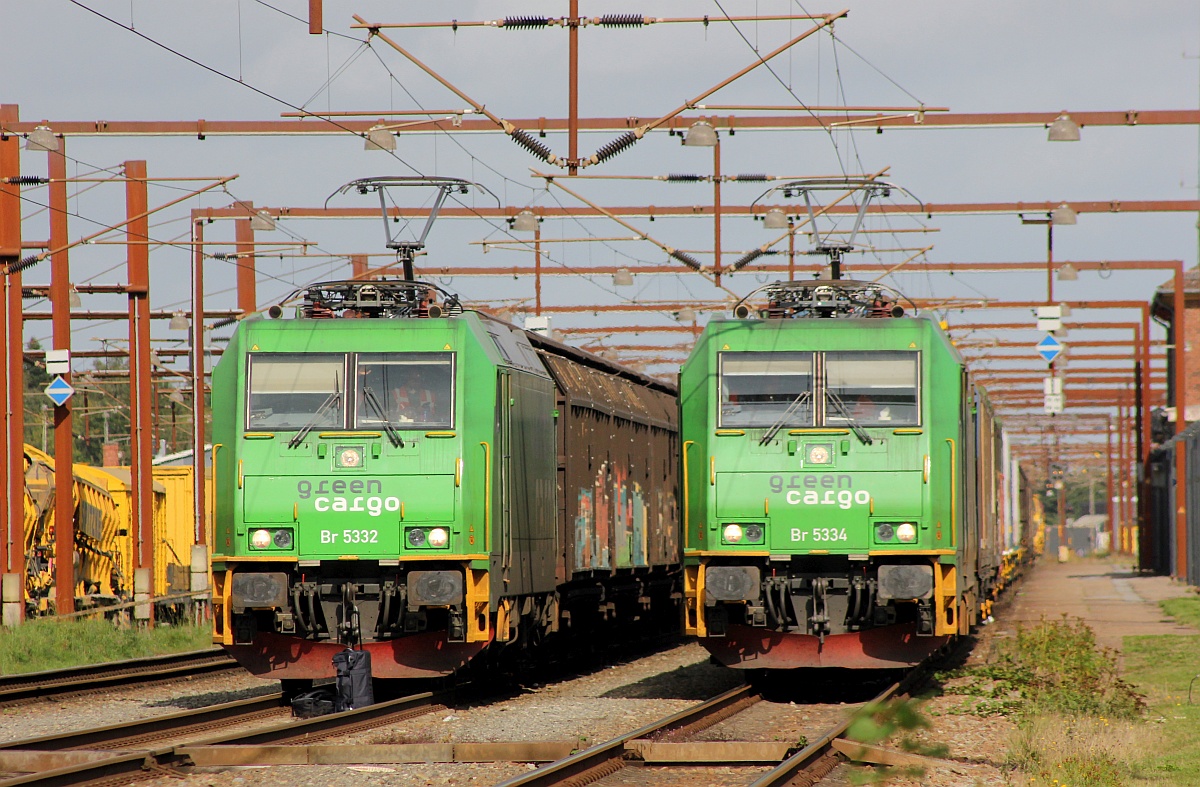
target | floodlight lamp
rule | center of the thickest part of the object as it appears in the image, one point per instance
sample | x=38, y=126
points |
x=179, y=322
x=686, y=315
x=1063, y=215
x=42, y=138
x=262, y=221
x=155, y=359
x=379, y=138
x=622, y=278
x=175, y=396
x=73, y=299
x=1063, y=129
x=775, y=219
x=1067, y=272
x=701, y=135
x=525, y=222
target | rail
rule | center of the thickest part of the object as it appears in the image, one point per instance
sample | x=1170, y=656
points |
x=59, y=760
x=601, y=759
x=31, y=686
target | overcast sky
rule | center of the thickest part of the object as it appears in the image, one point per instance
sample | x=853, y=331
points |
x=65, y=63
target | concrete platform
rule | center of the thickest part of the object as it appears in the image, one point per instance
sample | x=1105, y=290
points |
x=1106, y=593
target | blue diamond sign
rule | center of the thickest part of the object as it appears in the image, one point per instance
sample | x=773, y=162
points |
x=59, y=390
x=1049, y=348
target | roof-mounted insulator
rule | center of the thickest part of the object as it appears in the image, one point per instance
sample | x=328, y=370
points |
x=27, y=262
x=525, y=22
x=616, y=146
x=27, y=180
x=686, y=259
x=621, y=20
x=746, y=259
x=523, y=139
x=683, y=177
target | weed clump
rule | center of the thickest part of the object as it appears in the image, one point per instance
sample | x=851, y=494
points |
x=1052, y=668
x=1078, y=721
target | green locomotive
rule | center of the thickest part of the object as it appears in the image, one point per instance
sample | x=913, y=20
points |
x=842, y=483
x=397, y=474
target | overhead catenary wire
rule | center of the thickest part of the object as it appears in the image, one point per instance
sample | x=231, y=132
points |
x=223, y=75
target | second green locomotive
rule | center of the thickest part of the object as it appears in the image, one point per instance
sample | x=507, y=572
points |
x=841, y=498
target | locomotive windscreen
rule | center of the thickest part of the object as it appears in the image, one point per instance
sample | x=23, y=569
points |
x=764, y=389
x=289, y=390
x=875, y=388
x=415, y=390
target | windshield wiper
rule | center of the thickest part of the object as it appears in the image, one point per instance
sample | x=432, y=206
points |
x=841, y=408
x=330, y=401
x=800, y=399
x=393, y=435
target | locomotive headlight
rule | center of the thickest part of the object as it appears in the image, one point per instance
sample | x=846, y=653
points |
x=906, y=532
x=754, y=534
x=260, y=539
x=283, y=539
x=733, y=534
x=884, y=532
x=416, y=537
x=348, y=456
x=439, y=537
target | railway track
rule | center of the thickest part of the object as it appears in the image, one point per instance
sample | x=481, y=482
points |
x=722, y=737
x=670, y=744
x=56, y=684
x=125, y=753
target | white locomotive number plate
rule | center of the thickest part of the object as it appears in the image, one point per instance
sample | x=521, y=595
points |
x=350, y=537
x=819, y=534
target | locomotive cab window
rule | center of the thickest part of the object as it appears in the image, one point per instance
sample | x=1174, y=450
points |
x=409, y=390
x=765, y=389
x=872, y=388
x=291, y=391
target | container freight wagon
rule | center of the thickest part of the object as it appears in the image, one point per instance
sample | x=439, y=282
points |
x=105, y=540
x=841, y=483
x=432, y=485
x=100, y=577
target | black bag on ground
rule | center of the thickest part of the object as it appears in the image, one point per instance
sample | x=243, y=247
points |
x=353, y=679
x=311, y=704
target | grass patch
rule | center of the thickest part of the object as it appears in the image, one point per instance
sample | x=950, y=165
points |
x=1185, y=610
x=1162, y=667
x=1085, y=750
x=49, y=644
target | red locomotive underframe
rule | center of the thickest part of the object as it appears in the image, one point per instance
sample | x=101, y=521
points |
x=745, y=647
x=425, y=655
